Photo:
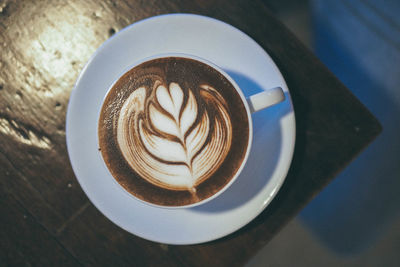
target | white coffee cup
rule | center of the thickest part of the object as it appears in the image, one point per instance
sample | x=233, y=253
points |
x=252, y=104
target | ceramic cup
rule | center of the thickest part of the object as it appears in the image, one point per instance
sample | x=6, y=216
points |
x=155, y=195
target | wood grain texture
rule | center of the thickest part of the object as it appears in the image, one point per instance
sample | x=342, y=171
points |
x=26, y=243
x=45, y=44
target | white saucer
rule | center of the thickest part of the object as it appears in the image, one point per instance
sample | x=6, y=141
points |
x=274, y=128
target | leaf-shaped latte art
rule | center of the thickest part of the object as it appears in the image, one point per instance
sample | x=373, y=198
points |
x=174, y=138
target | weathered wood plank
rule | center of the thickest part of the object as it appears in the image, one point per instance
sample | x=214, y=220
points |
x=26, y=243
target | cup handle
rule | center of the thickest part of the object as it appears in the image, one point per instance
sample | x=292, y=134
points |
x=265, y=99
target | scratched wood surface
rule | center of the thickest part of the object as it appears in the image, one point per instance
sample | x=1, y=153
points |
x=45, y=216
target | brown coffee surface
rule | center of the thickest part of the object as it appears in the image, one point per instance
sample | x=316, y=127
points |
x=173, y=131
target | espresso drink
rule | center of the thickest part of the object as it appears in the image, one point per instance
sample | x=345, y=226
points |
x=173, y=131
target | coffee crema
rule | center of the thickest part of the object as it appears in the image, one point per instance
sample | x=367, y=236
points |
x=173, y=131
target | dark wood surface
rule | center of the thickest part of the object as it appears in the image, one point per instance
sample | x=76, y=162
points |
x=45, y=216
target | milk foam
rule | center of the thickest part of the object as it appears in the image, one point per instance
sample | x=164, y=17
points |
x=172, y=137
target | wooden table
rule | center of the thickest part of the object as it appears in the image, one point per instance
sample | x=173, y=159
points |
x=46, y=219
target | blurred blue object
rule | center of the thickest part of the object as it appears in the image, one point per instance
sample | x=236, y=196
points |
x=359, y=41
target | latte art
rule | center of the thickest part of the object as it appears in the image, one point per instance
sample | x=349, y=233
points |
x=173, y=131
x=168, y=137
